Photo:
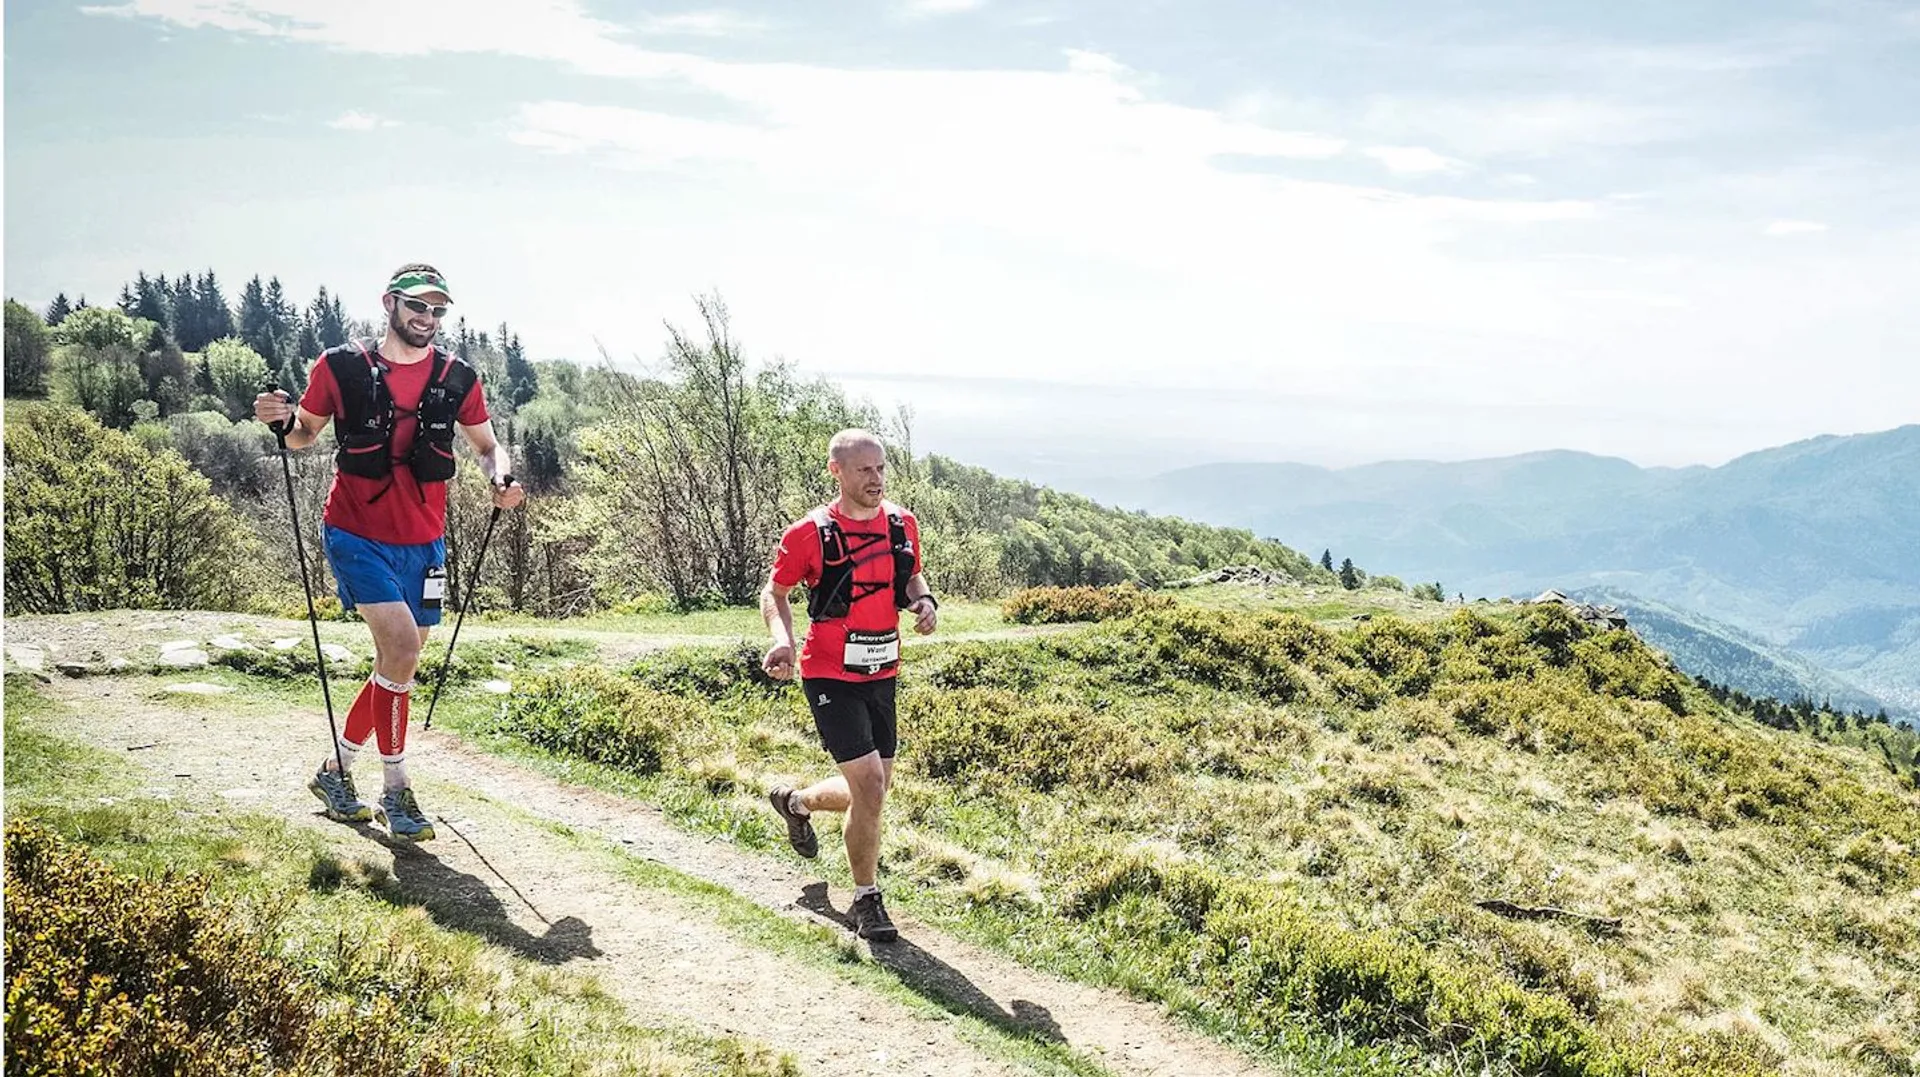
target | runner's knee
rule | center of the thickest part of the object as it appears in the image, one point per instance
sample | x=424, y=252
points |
x=866, y=782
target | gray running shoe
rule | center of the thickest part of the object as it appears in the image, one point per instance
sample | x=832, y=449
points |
x=336, y=792
x=800, y=833
x=402, y=816
x=870, y=919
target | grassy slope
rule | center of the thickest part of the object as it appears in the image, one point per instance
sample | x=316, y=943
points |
x=1765, y=916
x=335, y=925
x=1775, y=933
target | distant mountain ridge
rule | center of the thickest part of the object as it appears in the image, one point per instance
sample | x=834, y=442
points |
x=1728, y=656
x=1812, y=547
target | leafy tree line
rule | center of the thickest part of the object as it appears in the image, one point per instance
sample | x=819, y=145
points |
x=672, y=481
x=173, y=322
x=1896, y=745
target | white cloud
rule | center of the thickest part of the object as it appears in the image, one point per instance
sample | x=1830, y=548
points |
x=1413, y=160
x=942, y=7
x=354, y=120
x=1794, y=228
x=1075, y=223
x=703, y=24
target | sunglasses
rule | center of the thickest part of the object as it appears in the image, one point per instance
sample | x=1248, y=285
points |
x=421, y=306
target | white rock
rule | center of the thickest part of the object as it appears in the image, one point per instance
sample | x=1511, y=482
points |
x=336, y=653
x=179, y=645
x=32, y=658
x=198, y=688
x=498, y=688
x=232, y=643
x=287, y=644
x=184, y=659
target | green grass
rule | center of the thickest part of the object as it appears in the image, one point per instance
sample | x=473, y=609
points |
x=1376, y=781
x=957, y=616
x=1370, y=782
x=331, y=925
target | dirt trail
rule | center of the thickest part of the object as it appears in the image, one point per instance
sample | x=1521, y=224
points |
x=134, y=633
x=525, y=889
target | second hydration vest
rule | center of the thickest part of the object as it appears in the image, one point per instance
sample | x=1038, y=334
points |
x=364, y=427
x=833, y=597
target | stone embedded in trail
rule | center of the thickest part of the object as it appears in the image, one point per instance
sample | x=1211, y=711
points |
x=232, y=643
x=32, y=658
x=286, y=644
x=498, y=688
x=198, y=688
x=336, y=653
x=184, y=659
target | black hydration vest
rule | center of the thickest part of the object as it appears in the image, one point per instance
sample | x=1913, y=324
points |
x=363, y=431
x=833, y=597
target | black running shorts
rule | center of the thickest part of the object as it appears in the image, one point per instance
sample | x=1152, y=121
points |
x=853, y=717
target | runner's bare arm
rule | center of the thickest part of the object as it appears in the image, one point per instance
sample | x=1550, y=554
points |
x=926, y=613
x=777, y=611
x=274, y=407
x=494, y=462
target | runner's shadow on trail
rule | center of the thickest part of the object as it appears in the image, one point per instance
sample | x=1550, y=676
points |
x=459, y=901
x=940, y=982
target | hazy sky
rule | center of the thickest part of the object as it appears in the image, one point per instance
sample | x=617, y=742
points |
x=1106, y=234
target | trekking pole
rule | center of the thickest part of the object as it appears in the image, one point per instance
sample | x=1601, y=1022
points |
x=466, y=600
x=300, y=549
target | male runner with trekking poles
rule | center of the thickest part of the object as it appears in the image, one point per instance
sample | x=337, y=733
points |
x=397, y=404
x=860, y=559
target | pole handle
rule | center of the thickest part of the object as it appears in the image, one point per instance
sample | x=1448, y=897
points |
x=281, y=429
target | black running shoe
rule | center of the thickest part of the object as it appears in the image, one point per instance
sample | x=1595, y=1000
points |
x=870, y=919
x=800, y=833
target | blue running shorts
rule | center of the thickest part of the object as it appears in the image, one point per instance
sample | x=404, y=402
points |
x=369, y=571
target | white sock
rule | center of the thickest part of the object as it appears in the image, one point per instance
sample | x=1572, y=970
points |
x=395, y=772
x=796, y=805
x=862, y=891
x=348, y=750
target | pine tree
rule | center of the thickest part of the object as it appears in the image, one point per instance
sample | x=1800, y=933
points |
x=213, y=307
x=329, y=323
x=1326, y=560
x=150, y=299
x=283, y=318
x=256, y=322
x=523, y=381
x=188, y=327
x=1349, y=576
x=58, y=310
x=310, y=347
x=128, y=304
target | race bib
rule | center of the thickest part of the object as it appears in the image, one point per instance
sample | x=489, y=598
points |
x=871, y=652
x=436, y=587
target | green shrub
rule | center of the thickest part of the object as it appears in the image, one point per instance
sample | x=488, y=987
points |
x=1401, y=654
x=1019, y=667
x=117, y=974
x=990, y=736
x=598, y=716
x=1268, y=963
x=709, y=672
x=1062, y=605
x=95, y=521
x=293, y=664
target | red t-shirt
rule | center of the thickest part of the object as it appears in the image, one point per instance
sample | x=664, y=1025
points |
x=407, y=513
x=823, y=652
